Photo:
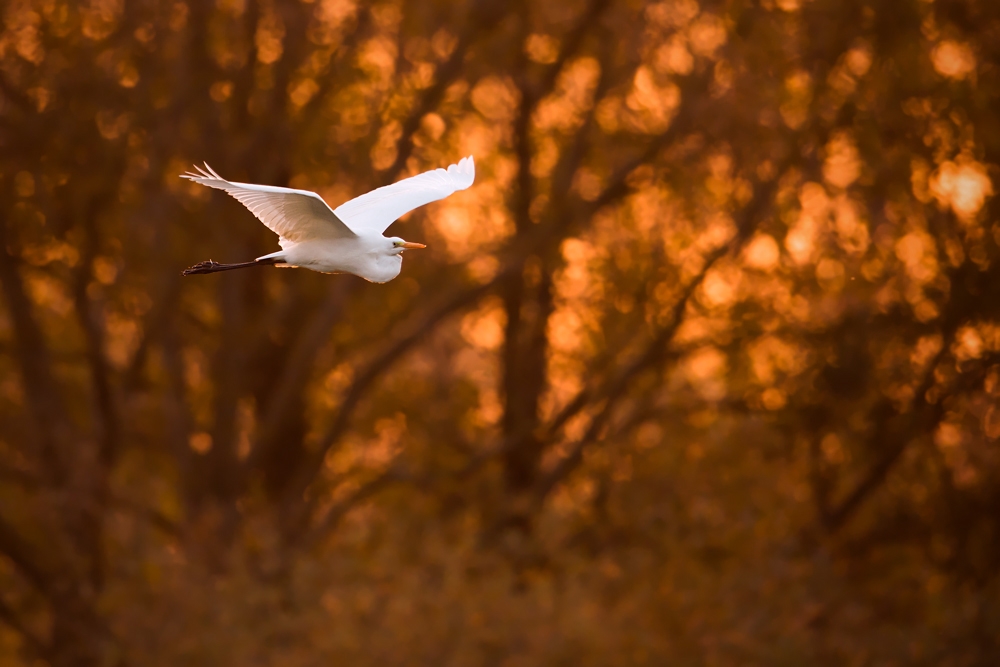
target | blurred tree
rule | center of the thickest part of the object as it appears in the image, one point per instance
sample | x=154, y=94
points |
x=704, y=368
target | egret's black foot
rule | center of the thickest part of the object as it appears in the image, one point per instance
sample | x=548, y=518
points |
x=211, y=266
x=208, y=266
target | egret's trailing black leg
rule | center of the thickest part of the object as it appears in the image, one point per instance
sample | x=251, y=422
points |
x=210, y=266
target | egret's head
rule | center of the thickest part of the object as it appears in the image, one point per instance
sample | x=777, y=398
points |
x=399, y=245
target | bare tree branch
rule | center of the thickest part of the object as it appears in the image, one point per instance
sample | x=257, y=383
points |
x=35, y=643
x=12, y=93
x=374, y=369
x=334, y=515
x=44, y=400
x=571, y=44
x=362, y=21
x=156, y=517
x=106, y=412
x=485, y=16
x=296, y=369
x=229, y=374
x=894, y=437
x=693, y=89
x=179, y=420
x=655, y=352
x=24, y=558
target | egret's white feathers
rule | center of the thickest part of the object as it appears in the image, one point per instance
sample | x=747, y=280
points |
x=373, y=212
x=294, y=215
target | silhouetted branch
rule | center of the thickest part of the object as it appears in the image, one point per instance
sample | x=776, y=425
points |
x=570, y=160
x=296, y=369
x=572, y=42
x=165, y=294
x=229, y=372
x=154, y=516
x=334, y=515
x=106, y=412
x=655, y=352
x=34, y=642
x=484, y=16
x=693, y=89
x=373, y=370
x=24, y=557
x=178, y=418
x=531, y=96
x=614, y=390
x=12, y=93
x=347, y=47
x=44, y=401
x=894, y=438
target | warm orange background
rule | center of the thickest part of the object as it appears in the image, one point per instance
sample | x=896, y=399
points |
x=703, y=370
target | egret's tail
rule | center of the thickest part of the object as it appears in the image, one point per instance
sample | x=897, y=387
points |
x=211, y=266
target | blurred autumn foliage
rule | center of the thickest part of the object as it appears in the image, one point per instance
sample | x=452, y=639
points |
x=703, y=370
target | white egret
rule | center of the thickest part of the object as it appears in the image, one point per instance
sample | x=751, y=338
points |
x=347, y=239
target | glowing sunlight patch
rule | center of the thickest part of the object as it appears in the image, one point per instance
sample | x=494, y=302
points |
x=954, y=60
x=963, y=185
x=762, y=253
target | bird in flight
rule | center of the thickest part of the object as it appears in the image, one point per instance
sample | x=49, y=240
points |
x=347, y=239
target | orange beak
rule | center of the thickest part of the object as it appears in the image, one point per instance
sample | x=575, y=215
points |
x=411, y=246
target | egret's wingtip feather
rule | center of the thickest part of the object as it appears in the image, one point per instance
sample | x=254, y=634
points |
x=203, y=177
x=465, y=171
x=191, y=176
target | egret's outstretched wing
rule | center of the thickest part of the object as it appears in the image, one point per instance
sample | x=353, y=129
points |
x=294, y=215
x=375, y=211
